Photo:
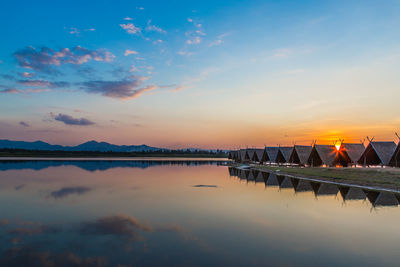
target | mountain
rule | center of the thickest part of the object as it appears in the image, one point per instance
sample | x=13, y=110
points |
x=88, y=146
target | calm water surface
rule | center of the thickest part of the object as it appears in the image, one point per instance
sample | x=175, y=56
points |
x=105, y=213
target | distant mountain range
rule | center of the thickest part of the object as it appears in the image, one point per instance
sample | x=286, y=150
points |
x=88, y=146
x=92, y=146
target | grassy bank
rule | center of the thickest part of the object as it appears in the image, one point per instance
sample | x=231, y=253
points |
x=379, y=177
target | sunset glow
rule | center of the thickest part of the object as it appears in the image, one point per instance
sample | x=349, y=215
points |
x=200, y=74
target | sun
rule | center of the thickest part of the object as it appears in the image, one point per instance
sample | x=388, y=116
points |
x=337, y=147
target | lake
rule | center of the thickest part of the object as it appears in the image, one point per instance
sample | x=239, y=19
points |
x=186, y=212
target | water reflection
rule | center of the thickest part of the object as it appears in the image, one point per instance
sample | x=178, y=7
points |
x=99, y=165
x=190, y=214
x=376, y=198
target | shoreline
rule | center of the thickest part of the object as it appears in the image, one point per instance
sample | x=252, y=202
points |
x=183, y=158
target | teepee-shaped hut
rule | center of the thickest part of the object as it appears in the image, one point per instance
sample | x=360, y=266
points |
x=300, y=155
x=283, y=154
x=377, y=153
x=322, y=155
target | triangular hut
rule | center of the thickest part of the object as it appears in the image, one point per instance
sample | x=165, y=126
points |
x=350, y=153
x=378, y=153
x=250, y=154
x=242, y=155
x=258, y=155
x=395, y=161
x=235, y=155
x=270, y=153
x=283, y=154
x=300, y=155
x=322, y=155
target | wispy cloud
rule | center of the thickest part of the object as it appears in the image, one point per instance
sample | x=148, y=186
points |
x=130, y=28
x=43, y=83
x=22, y=123
x=69, y=120
x=76, y=31
x=282, y=53
x=219, y=40
x=44, y=58
x=128, y=18
x=155, y=28
x=26, y=74
x=130, y=52
x=195, y=35
x=124, y=89
x=26, y=91
x=194, y=40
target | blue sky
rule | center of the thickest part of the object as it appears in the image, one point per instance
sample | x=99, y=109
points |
x=199, y=73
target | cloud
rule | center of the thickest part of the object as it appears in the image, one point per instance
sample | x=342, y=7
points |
x=29, y=255
x=219, y=40
x=43, y=83
x=10, y=91
x=282, y=53
x=124, y=89
x=140, y=8
x=26, y=74
x=194, y=36
x=41, y=229
x=26, y=91
x=69, y=120
x=215, y=43
x=127, y=18
x=194, y=40
x=130, y=28
x=122, y=226
x=184, y=53
x=76, y=31
x=67, y=191
x=24, y=124
x=130, y=52
x=44, y=58
x=133, y=69
x=154, y=28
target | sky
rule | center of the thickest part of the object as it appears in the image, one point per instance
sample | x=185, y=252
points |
x=204, y=74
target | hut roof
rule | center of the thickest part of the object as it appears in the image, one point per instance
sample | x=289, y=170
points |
x=395, y=160
x=327, y=153
x=286, y=152
x=384, y=151
x=354, y=151
x=242, y=154
x=271, y=152
x=250, y=152
x=303, y=152
x=258, y=154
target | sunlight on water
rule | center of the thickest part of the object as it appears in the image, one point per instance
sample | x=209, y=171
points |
x=185, y=213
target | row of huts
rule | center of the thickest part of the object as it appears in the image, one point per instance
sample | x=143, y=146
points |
x=347, y=154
